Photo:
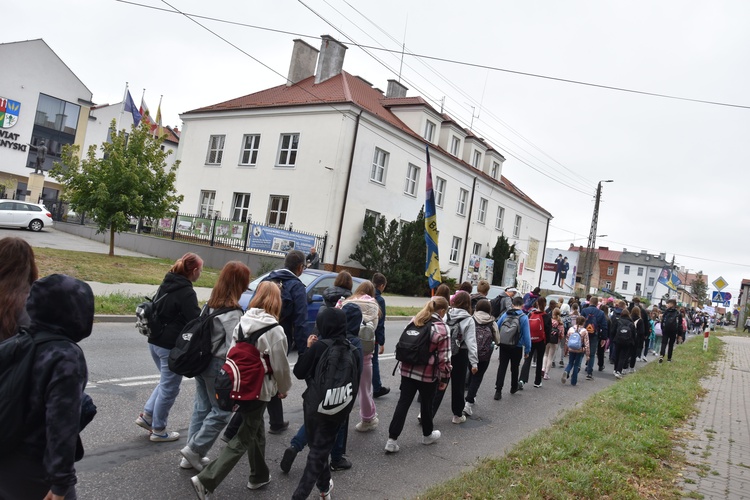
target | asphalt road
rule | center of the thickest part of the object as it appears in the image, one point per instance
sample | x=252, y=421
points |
x=121, y=463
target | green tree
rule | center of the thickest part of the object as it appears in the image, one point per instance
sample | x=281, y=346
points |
x=500, y=252
x=370, y=252
x=130, y=180
x=699, y=288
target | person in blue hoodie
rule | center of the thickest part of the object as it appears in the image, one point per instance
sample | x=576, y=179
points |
x=512, y=354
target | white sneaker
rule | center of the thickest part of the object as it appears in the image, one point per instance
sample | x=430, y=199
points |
x=391, y=446
x=162, y=436
x=367, y=425
x=326, y=495
x=255, y=486
x=419, y=418
x=431, y=438
x=200, y=490
x=459, y=420
x=192, y=458
x=468, y=408
x=184, y=464
x=618, y=375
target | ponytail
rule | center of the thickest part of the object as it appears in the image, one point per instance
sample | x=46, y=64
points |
x=186, y=264
x=437, y=303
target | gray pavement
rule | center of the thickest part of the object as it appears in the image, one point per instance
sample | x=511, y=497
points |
x=718, y=448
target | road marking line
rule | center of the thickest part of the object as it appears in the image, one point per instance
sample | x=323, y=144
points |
x=125, y=379
x=143, y=382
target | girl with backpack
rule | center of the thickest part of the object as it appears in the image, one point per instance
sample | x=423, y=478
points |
x=424, y=378
x=208, y=419
x=623, y=335
x=576, y=345
x=657, y=332
x=540, y=325
x=464, y=350
x=18, y=271
x=640, y=336
x=486, y=333
x=262, y=312
x=556, y=333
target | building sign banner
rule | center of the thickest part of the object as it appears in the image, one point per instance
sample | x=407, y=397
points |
x=480, y=268
x=9, y=111
x=271, y=239
x=559, y=270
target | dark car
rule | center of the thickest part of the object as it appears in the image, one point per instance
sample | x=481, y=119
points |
x=315, y=281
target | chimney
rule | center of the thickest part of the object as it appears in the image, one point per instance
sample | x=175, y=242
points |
x=396, y=89
x=663, y=256
x=644, y=252
x=303, y=61
x=331, y=59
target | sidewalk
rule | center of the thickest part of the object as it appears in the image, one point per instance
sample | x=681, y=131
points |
x=719, y=448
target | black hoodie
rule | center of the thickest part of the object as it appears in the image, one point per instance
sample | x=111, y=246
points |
x=179, y=307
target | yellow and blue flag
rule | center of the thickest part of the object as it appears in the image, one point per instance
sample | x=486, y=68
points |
x=669, y=279
x=432, y=263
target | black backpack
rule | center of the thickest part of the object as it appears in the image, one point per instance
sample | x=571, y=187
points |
x=510, y=330
x=414, y=344
x=17, y=356
x=624, y=333
x=147, y=320
x=500, y=305
x=670, y=321
x=333, y=389
x=192, y=352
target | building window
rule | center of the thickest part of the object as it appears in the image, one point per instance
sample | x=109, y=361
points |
x=640, y=271
x=624, y=285
x=455, y=248
x=462, y=196
x=288, y=146
x=278, y=206
x=610, y=270
x=455, y=145
x=241, y=210
x=651, y=281
x=608, y=285
x=439, y=191
x=206, y=208
x=379, y=164
x=499, y=218
x=495, y=169
x=215, y=150
x=627, y=269
x=412, y=179
x=482, y=212
x=372, y=214
x=637, y=288
x=477, y=249
x=517, y=227
x=429, y=130
x=477, y=159
x=250, y=145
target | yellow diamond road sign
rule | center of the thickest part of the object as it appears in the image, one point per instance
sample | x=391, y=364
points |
x=720, y=283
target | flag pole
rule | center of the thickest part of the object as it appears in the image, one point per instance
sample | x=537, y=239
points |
x=122, y=106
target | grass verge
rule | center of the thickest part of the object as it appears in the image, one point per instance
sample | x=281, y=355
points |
x=618, y=444
x=117, y=303
x=401, y=311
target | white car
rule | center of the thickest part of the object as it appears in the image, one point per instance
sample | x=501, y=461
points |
x=14, y=213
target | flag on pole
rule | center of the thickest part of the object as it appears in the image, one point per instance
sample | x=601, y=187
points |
x=432, y=264
x=130, y=108
x=146, y=114
x=669, y=279
x=158, y=120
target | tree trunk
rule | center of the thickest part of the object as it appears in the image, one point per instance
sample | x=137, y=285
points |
x=111, y=241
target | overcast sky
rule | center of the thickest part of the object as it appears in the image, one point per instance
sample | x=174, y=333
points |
x=680, y=168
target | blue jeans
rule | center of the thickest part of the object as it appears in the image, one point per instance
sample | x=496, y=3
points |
x=208, y=419
x=574, y=363
x=299, y=441
x=593, y=344
x=376, y=383
x=164, y=395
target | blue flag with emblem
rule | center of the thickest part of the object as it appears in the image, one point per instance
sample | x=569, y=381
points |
x=432, y=263
x=669, y=279
x=130, y=108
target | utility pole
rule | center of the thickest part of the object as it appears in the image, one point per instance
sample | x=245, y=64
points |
x=588, y=268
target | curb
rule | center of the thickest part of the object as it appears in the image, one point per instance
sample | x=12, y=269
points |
x=128, y=318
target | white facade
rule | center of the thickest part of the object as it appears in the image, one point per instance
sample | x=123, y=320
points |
x=385, y=147
x=638, y=275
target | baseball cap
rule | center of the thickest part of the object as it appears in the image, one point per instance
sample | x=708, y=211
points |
x=511, y=289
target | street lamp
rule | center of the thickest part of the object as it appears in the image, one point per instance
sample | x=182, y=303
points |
x=592, y=236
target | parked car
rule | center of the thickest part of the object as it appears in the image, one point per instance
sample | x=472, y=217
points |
x=315, y=281
x=14, y=213
x=560, y=299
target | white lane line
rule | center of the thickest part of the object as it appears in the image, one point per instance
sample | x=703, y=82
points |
x=126, y=379
x=143, y=382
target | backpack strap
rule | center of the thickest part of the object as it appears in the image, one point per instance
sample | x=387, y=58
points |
x=253, y=339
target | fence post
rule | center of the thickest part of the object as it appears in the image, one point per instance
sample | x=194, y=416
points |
x=213, y=231
x=248, y=225
x=174, y=226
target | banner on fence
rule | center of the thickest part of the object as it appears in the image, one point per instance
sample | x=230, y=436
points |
x=271, y=239
x=228, y=229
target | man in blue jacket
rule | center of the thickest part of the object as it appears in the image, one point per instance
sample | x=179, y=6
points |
x=598, y=339
x=513, y=353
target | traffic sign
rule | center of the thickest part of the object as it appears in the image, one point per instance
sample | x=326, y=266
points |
x=727, y=303
x=720, y=283
x=727, y=295
x=717, y=297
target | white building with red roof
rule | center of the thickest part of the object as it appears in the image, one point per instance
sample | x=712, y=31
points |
x=327, y=149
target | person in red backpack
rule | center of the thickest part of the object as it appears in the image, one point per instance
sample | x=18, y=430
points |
x=540, y=326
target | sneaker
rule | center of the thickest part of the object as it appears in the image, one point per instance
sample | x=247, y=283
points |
x=381, y=392
x=670, y=360
x=618, y=375
x=255, y=486
x=434, y=436
x=184, y=464
x=533, y=365
x=143, y=421
x=589, y=376
x=326, y=495
x=288, y=459
x=520, y=385
x=458, y=420
x=192, y=457
x=279, y=430
x=200, y=490
x=391, y=446
x=661, y=359
x=538, y=385
x=601, y=368
x=498, y=396
x=546, y=377
x=564, y=378
x=162, y=436
x=468, y=408
x=632, y=370
x=367, y=425
x=419, y=418
x=342, y=463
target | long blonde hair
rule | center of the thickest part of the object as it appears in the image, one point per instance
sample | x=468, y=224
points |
x=437, y=303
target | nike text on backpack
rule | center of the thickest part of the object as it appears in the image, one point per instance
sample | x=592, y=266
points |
x=413, y=347
x=17, y=356
x=510, y=330
x=367, y=337
x=484, y=341
x=590, y=324
x=146, y=318
x=333, y=389
x=456, y=334
x=536, y=326
x=241, y=378
x=574, y=341
x=191, y=353
x=623, y=334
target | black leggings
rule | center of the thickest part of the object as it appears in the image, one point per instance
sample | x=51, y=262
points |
x=460, y=363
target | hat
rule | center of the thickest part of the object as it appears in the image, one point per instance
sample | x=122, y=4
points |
x=610, y=299
x=511, y=289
